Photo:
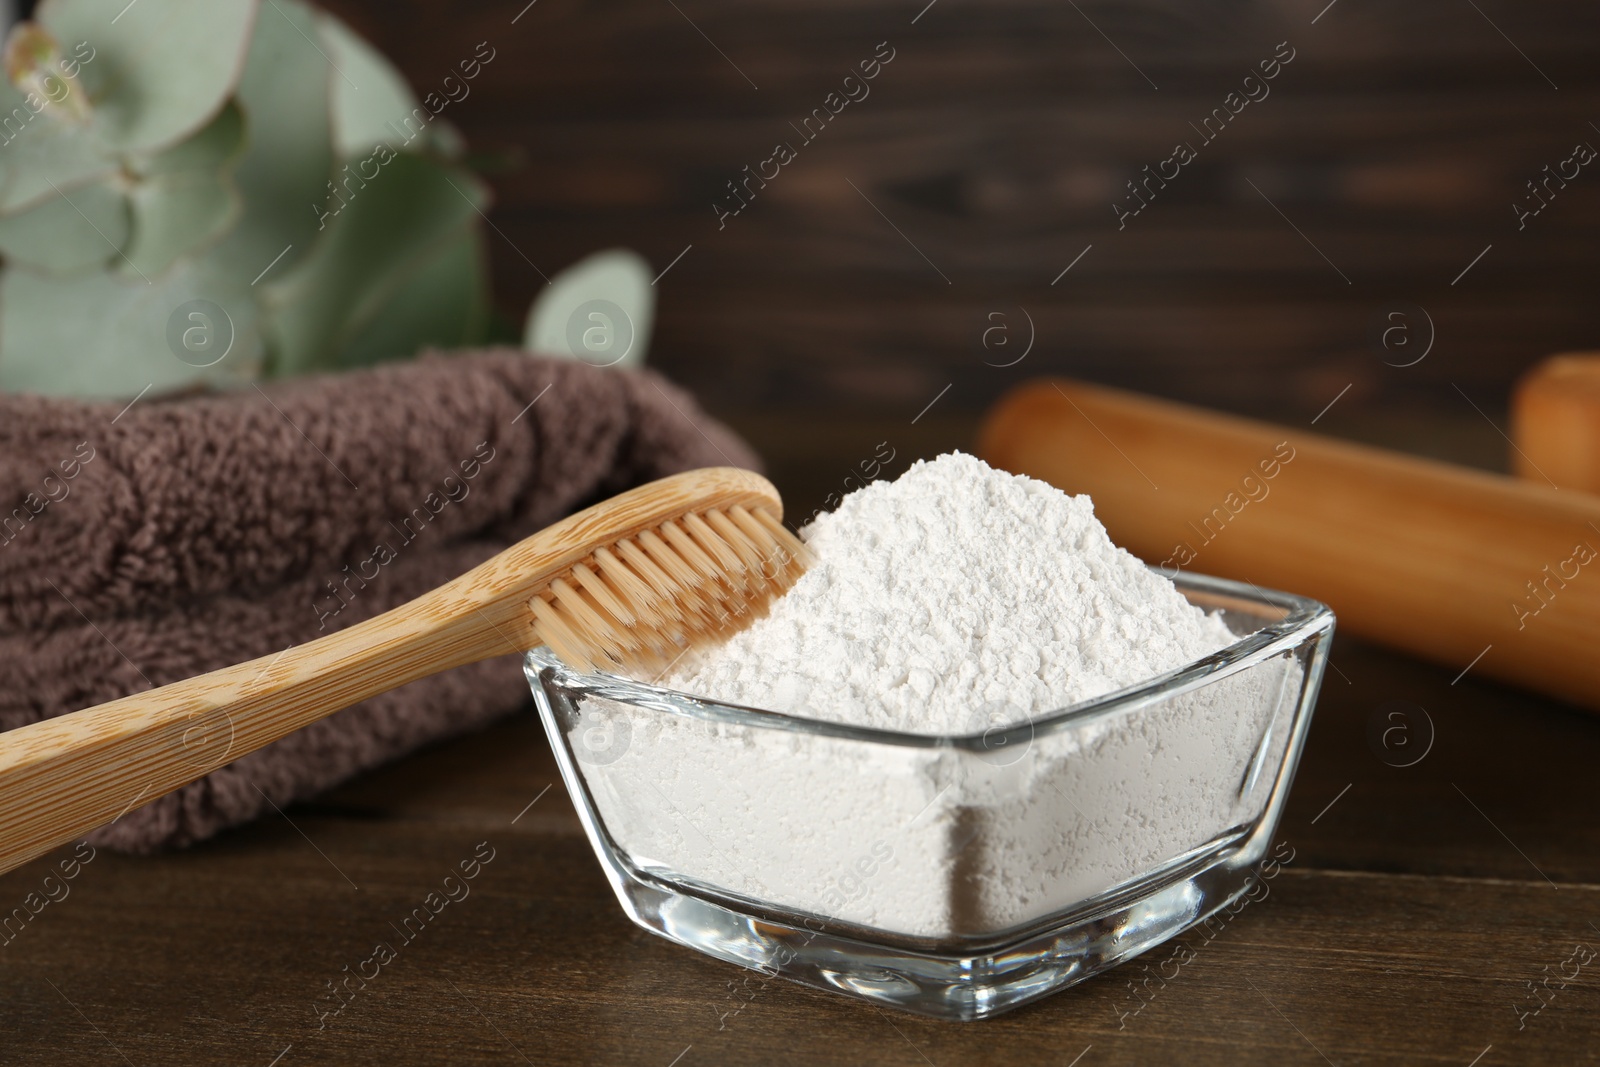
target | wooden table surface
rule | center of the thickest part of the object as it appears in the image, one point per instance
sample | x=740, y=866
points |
x=1423, y=906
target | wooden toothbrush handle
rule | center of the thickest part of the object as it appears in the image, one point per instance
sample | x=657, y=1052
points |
x=62, y=777
x=1442, y=561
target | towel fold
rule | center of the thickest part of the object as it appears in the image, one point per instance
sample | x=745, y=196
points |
x=146, y=544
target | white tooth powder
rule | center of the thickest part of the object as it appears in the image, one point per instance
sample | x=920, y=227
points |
x=939, y=599
x=952, y=601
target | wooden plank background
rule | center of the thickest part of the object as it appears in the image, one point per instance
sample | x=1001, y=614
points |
x=1396, y=142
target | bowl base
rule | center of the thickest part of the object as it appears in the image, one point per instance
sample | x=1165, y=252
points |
x=959, y=985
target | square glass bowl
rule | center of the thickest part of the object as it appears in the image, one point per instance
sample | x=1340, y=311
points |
x=961, y=876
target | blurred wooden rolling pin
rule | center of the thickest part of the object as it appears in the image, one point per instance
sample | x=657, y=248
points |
x=1555, y=422
x=1451, y=564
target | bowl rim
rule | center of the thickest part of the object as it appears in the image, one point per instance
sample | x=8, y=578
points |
x=1300, y=621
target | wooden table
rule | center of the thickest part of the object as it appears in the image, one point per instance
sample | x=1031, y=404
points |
x=1421, y=903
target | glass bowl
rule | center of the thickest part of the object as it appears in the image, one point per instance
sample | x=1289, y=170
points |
x=961, y=876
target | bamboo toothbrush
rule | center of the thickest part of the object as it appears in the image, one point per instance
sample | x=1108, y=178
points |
x=629, y=583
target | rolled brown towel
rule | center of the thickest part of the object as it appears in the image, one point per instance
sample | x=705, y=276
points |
x=143, y=545
x=169, y=501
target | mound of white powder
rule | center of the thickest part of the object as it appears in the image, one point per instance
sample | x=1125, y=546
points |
x=954, y=599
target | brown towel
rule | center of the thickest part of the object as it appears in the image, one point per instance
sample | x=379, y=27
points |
x=143, y=545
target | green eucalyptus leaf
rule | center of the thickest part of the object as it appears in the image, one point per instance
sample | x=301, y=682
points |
x=446, y=139
x=67, y=234
x=161, y=70
x=185, y=199
x=218, y=143
x=284, y=171
x=372, y=104
x=103, y=336
x=174, y=215
x=442, y=302
x=207, y=165
x=373, y=239
x=41, y=158
x=600, y=310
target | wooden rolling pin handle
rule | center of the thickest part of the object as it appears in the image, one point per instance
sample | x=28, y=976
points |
x=1555, y=423
x=1454, y=565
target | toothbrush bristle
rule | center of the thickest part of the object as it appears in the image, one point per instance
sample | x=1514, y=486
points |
x=638, y=604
